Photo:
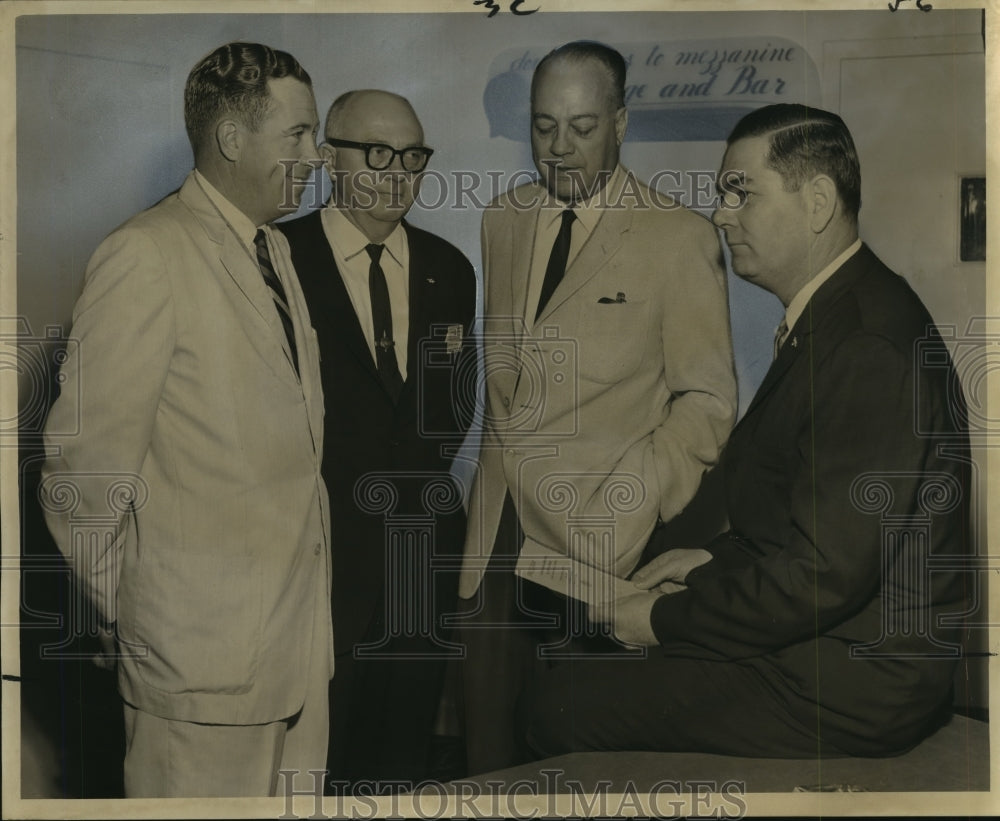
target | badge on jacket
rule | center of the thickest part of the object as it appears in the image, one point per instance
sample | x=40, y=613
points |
x=453, y=339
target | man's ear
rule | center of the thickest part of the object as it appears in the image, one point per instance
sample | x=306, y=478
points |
x=329, y=155
x=621, y=124
x=822, y=202
x=229, y=139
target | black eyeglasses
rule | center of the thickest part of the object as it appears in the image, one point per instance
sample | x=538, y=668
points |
x=379, y=156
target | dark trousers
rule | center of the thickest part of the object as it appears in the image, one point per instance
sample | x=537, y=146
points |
x=387, y=687
x=512, y=631
x=530, y=693
x=386, y=690
x=665, y=704
x=382, y=713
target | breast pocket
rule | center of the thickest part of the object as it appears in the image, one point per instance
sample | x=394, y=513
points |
x=612, y=339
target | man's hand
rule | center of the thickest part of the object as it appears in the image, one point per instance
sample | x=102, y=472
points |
x=628, y=617
x=670, y=569
x=107, y=658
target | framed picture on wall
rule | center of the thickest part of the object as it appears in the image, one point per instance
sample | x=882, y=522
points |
x=972, y=219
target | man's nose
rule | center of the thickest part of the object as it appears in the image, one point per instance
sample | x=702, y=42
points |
x=395, y=168
x=561, y=143
x=310, y=154
x=722, y=216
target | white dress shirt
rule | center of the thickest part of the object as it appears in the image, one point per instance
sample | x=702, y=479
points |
x=587, y=213
x=348, y=244
x=241, y=224
x=801, y=299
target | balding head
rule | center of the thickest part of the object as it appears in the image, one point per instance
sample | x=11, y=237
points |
x=609, y=63
x=365, y=110
x=578, y=121
x=374, y=200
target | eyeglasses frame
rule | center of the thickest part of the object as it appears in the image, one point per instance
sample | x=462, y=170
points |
x=396, y=152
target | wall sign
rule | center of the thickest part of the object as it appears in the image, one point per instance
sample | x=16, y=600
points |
x=675, y=90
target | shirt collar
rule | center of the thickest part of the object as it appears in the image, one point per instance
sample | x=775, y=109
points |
x=801, y=299
x=351, y=240
x=587, y=212
x=240, y=222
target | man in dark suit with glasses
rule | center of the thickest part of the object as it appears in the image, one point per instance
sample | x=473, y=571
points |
x=392, y=307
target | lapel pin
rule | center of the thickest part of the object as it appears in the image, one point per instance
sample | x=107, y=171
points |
x=795, y=342
x=431, y=281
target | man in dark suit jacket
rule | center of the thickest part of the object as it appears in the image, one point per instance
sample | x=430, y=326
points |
x=813, y=626
x=393, y=308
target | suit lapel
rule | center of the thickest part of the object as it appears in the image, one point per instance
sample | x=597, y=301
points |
x=235, y=258
x=602, y=244
x=421, y=289
x=243, y=281
x=318, y=267
x=308, y=351
x=799, y=340
x=522, y=246
x=347, y=324
x=788, y=354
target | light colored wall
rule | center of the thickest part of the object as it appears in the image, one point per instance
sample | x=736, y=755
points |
x=100, y=125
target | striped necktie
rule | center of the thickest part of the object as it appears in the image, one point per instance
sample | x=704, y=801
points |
x=277, y=292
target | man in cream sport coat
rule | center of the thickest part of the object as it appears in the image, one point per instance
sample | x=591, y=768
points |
x=610, y=386
x=196, y=391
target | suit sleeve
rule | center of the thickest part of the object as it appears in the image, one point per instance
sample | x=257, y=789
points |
x=465, y=377
x=829, y=566
x=698, y=369
x=117, y=361
x=490, y=215
x=729, y=552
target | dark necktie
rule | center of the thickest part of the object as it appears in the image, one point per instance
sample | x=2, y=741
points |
x=557, y=261
x=277, y=292
x=779, y=337
x=385, y=347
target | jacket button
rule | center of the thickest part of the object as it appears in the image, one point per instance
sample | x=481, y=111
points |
x=316, y=550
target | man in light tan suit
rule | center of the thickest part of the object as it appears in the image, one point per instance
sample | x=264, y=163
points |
x=197, y=398
x=610, y=386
